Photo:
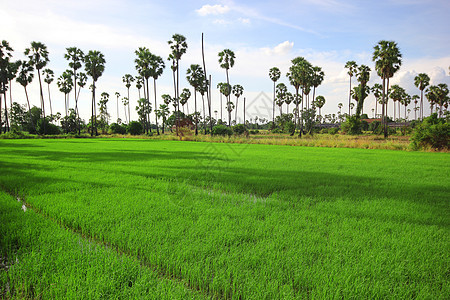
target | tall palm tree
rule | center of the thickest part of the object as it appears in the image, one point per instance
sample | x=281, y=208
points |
x=5, y=70
x=352, y=68
x=139, y=83
x=225, y=89
x=406, y=101
x=203, y=88
x=184, y=97
x=94, y=63
x=49, y=77
x=126, y=102
x=163, y=112
x=421, y=81
x=431, y=96
x=442, y=97
x=219, y=87
x=65, y=85
x=75, y=57
x=281, y=91
x=179, y=46
x=317, y=78
x=25, y=77
x=128, y=79
x=195, y=77
x=237, y=91
x=319, y=102
x=387, y=58
x=156, y=69
x=396, y=93
x=38, y=56
x=363, y=77
x=226, y=61
x=340, y=105
x=143, y=60
x=376, y=91
x=274, y=74
x=288, y=100
x=117, y=98
x=415, y=98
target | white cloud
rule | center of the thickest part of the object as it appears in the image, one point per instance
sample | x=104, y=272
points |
x=244, y=21
x=221, y=22
x=213, y=10
x=280, y=49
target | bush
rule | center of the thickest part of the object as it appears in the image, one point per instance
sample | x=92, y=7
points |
x=222, y=130
x=256, y=131
x=49, y=128
x=239, y=129
x=364, y=125
x=374, y=126
x=118, y=129
x=352, y=125
x=433, y=132
x=135, y=128
x=333, y=130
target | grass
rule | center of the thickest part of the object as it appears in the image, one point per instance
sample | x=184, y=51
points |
x=221, y=220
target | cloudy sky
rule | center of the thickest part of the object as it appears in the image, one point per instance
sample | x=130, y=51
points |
x=263, y=34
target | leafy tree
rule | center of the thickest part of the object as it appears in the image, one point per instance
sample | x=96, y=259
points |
x=156, y=69
x=434, y=132
x=352, y=69
x=421, y=81
x=274, y=74
x=94, y=63
x=363, y=77
x=135, y=128
x=237, y=91
x=38, y=56
x=387, y=58
x=18, y=115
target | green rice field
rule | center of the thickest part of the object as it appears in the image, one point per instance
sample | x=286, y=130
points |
x=128, y=218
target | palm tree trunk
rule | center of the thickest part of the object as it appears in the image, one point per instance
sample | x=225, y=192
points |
x=236, y=110
x=156, y=116
x=273, y=109
x=42, y=97
x=29, y=107
x=6, y=112
x=204, y=116
x=350, y=96
x=195, y=112
x=129, y=113
x=221, y=108
x=244, y=112
x=50, y=100
x=178, y=95
x=421, y=105
x=148, y=106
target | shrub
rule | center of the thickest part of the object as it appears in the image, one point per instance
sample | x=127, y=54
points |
x=333, y=130
x=119, y=129
x=135, y=128
x=256, y=131
x=49, y=128
x=222, y=130
x=364, y=125
x=352, y=125
x=433, y=132
x=374, y=126
x=239, y=129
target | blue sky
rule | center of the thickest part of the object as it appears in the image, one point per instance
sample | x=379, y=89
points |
x=263, y=34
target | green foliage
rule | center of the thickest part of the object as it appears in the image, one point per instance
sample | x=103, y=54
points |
x=49, y=128
x=352, y=125
x=375, y=127
x=238, y=129
x=222, y=130
x=333, y=130
x=118, y=128
x=434, y=132
x=254, y=131
x=364, y=125
x=135, y=128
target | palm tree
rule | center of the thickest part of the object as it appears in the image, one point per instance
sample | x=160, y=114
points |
x=226, y=61
x=75, y=57
x=376, y=91
x=415, y=98
x=11, y=72
x=352, y=68
x=442, y=96
x=288, y=100
x=143, y=61
x=94, y=63
x=179, y=46
x=49, y=77
x=225, y=89
x=387, y=58
x=117, y=98
x=128, y=79
x=237, y=92
x=274, y=75
x=352, y=105
x=396, y=93
x=5, y=65
x=65, y=85
x=163, y=112
x=281, y=91
x=363, y=77
x=203, y=88
x=319, y=102
x=431, y=95
x=194, y=76
x=406, y=101
x=139, y=82
x=219, y=87
x=25, y=77
x=184, y=97
x=340, y=105
x=156, y=69
x=126, y=102
x=421, y=81
x=317, y=78
x=38, y=56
